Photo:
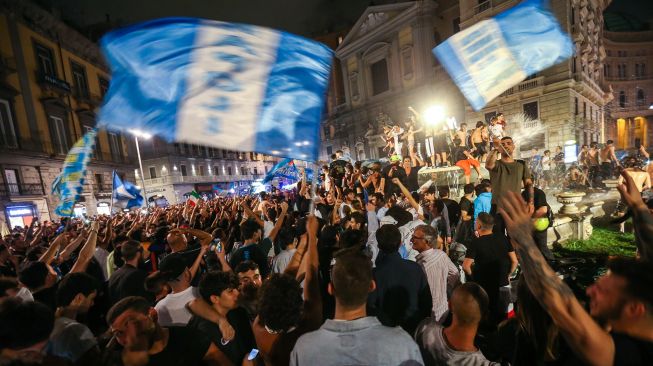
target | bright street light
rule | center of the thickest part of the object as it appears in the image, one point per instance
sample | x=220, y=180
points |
x=434, y=114
x=141, y=134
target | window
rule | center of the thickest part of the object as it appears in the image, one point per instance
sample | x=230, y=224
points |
x=114, y=146
x=584, y=110
x=456, y=25
x=58, y=131
x=622, y=99
x=531, y=110
x=79, y=78
x=229, y=171
x=488, y=117
x=575, y=106
x=216, y=170
x=184, y=172
x=380, y=82
x=641, y=99
x=255, y=170
x=572, y=18
x=45, y=60
x=407, y=60
x=243, y=170
x=573, y=65
x=152, y=172
x=99, y=179
x=7, y=130
x=329, y=150
x=639, y=70
x=606, y=70
x=621, y=71
x=104, y=85
x=202, y=172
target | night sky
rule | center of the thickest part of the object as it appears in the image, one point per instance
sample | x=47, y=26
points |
x=305, y=17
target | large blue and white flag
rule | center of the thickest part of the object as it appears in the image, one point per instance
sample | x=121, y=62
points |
x=125, y=194
x=283, y=169
x=491, y=56
x=69, y=184
x=233, y=86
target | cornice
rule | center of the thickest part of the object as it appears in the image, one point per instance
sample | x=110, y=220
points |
x=47, y=25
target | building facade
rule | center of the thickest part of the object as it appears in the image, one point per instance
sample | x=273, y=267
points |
x=566, y=103
x=52, y=81
x=628, y=71
x=171, y=171
x=386, y=65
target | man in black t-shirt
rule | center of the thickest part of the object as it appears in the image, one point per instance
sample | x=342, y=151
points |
x=220, y=290
x=394, y=170
x=542, y=210
x=494, y=260
x=251, y=250
x=453, y=208
x=465, y=229
x=139, y=336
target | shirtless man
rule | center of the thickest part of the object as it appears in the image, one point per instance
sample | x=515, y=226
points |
x=608, y=160
x=461, y=135
x=495, y=129
x=409, y=136
x=593, y=163
x=479, y=141
x=428, y=137
x=583, y=163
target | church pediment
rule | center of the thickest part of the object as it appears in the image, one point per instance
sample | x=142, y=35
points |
x=376, y=18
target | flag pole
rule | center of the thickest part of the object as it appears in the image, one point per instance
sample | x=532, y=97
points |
x=113, y=177
x=311, y=207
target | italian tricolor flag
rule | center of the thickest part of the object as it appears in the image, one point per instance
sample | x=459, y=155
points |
x=193, y=198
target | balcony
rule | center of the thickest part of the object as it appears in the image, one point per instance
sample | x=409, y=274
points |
x=177, y=179
x=485, y=8
x=628, y=78
x=21, y=189
x=524, y=85
x=83, y=96
x=51, y=82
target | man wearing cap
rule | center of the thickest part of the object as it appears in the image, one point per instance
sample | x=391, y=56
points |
x=394, y=170
x=172, y=310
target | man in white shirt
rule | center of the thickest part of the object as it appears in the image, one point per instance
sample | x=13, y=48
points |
x=285, y=239
x=441, y=273
x=172, y=310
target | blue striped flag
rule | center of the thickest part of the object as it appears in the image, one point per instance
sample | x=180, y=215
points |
x=69, y=184
x=493, y=55
x=284, y=169
x=126, y=194
x=233, y=86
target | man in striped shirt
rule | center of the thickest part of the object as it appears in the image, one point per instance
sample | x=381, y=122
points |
x=441, y=273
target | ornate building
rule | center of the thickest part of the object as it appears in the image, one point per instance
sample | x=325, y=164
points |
x=629, y=49
x=568, y=100
x=387, y=65
x=52, y=80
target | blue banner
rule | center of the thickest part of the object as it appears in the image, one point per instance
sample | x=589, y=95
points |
x=491, y=56
x=232, y=86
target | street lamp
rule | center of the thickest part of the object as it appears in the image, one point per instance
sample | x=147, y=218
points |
x=434, y=115
x=146, y=136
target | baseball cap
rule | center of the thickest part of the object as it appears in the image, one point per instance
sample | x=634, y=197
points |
x=172, y=266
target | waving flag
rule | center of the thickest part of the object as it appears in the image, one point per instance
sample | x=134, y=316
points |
x=233, y=86
x=126, y=194
x=284, y=169
x=492, y=55
x=69, y=184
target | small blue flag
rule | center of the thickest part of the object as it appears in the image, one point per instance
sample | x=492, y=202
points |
x=232, y=86
x=283, y=169
x=126, y=194
x=491, y=56
x=69, y=184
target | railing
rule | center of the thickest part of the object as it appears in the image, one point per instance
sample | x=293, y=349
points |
x=21, y=189
x=579, y=77
x=524, y=85
x=50, y=81
x=174, y=179
x=486, y=5
x=83, y=96
x=626, y=78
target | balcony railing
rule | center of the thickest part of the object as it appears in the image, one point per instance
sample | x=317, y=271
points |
x=627, y=78
x=21, y=189
x=524, y=85
x=52, y=82
x=174, y=179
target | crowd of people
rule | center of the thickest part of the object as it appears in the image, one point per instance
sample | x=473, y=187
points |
x=368, y=268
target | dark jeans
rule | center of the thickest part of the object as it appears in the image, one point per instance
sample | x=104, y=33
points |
x=540, y=240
